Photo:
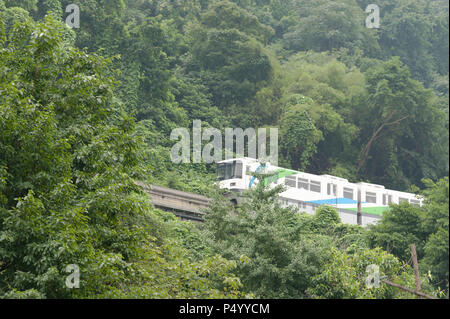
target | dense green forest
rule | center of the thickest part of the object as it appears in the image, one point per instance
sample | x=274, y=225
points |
x=84, y=112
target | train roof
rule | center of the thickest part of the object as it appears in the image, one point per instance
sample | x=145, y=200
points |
x=326, y=176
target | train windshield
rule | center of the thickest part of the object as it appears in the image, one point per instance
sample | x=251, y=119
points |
x=229, y=170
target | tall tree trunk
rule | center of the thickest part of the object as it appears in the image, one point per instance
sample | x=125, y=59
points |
x=373, y=138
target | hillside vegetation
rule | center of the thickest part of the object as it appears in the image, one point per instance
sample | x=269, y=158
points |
x=86, y=111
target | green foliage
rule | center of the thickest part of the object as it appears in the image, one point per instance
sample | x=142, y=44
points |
x=186, y=60
x=232, y=17
x=28, y=5
x=396, y=112
x=231, y=64
x=328, y=25
x=49, y=6
x=411, y=25
x=273, y=259
x=436, y=223
x=427, y=227
x=68, y=158
x=299, y=137
x=283, y=254
x=70, y=148
x=344, y=276
x=326, y=216
x=400, y=227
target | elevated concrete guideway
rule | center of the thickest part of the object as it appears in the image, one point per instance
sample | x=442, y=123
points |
x=192, y=207
x=186, y=206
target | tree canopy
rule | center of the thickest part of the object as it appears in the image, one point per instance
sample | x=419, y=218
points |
x=85, y=112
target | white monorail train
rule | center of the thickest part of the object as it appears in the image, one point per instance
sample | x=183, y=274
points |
x=308, y=191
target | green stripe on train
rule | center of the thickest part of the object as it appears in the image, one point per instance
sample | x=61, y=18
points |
x=372, y=210
x=279, y=173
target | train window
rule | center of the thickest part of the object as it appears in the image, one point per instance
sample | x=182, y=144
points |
x=238, y=170
x=348, y=193
x=315, y=186
x=290, y=181
x=229, y=170
x=414, y=202
x=387, y=199
x=303, y=183
x=401, y=200
x=331, y=189
x=371, y=197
